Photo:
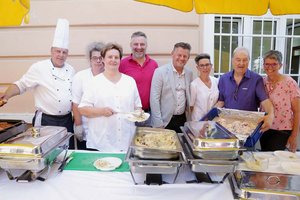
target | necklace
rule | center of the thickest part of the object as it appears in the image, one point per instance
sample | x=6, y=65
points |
x=272, y=86
x=273, y=83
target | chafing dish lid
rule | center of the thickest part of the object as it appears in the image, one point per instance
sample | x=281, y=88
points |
x=35, y=141
x=208, y=134
x=208, y=130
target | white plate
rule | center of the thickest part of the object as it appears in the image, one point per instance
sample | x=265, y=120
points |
x=108, y=163
x=286, y=155
x=132, y=118
x=291, y=167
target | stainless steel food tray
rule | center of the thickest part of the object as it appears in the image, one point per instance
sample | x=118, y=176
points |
x=153, y=170
x=35, y=142
x=219, y=144
x=207, y=165
x=18, y=126
x=34, y=153
x=264, y=185
x=138, y=165
x=34, y=163
x=239, y=116
x=152, y=152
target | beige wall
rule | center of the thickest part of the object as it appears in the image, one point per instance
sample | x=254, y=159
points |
x=90, y=20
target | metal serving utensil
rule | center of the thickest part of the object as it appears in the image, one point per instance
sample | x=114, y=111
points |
x=64, y=163
x=136, y=113
x=253, y=157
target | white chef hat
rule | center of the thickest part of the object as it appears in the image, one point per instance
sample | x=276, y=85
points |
x=61, y=35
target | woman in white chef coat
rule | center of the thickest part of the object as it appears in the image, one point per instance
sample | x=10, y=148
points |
x=79, y=85
x=204, y=89
x=109, y=94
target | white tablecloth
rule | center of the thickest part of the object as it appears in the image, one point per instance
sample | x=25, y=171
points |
x=73, y=185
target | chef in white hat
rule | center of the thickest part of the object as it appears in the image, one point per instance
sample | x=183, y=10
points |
x=50, y=81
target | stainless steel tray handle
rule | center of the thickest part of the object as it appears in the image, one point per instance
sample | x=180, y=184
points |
x=143, y=165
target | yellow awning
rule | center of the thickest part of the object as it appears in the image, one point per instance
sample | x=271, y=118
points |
x=238, y=7
x=182, y=5
x=14, y=12
x=280, y=7
x=245, y=7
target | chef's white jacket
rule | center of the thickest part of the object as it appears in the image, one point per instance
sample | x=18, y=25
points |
x=51, y=87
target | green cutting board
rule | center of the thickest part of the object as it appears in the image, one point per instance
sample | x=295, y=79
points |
x=84, y=161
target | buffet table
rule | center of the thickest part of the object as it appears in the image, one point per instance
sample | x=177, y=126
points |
x=72, y=185
x=81, y=180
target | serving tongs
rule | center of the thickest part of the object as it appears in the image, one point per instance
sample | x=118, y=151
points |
x=136, y=113
x=249, y=156
x=64, y=163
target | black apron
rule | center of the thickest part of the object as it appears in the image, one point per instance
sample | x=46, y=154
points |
x=58, y=120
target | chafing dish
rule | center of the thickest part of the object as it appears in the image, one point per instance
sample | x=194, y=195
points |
x=161, y=147
x=12, y=128
x=153, y=167
x=34, y=150
x=244, y=124
x=209, y=140
x=204, y=167
x=264, y=185
x=209, y=165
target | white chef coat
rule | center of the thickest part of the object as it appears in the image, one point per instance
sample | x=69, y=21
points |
x=202, y=97
x=114, y=133
x=79, y=85
x=51, y=87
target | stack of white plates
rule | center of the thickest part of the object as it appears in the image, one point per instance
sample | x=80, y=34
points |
x=273, y=160
x=290, y=162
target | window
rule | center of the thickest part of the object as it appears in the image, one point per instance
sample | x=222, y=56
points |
x=258, y=34
x=264, y=33
x=226, y=39
x=292, y=63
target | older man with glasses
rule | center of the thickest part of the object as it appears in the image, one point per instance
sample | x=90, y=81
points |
x=243, y=89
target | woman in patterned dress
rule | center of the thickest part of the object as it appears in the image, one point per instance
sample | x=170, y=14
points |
x=284, y=93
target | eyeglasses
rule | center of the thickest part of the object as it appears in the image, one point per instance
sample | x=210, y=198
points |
x=207, y=65
x=96, y=58
x=271, y=65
